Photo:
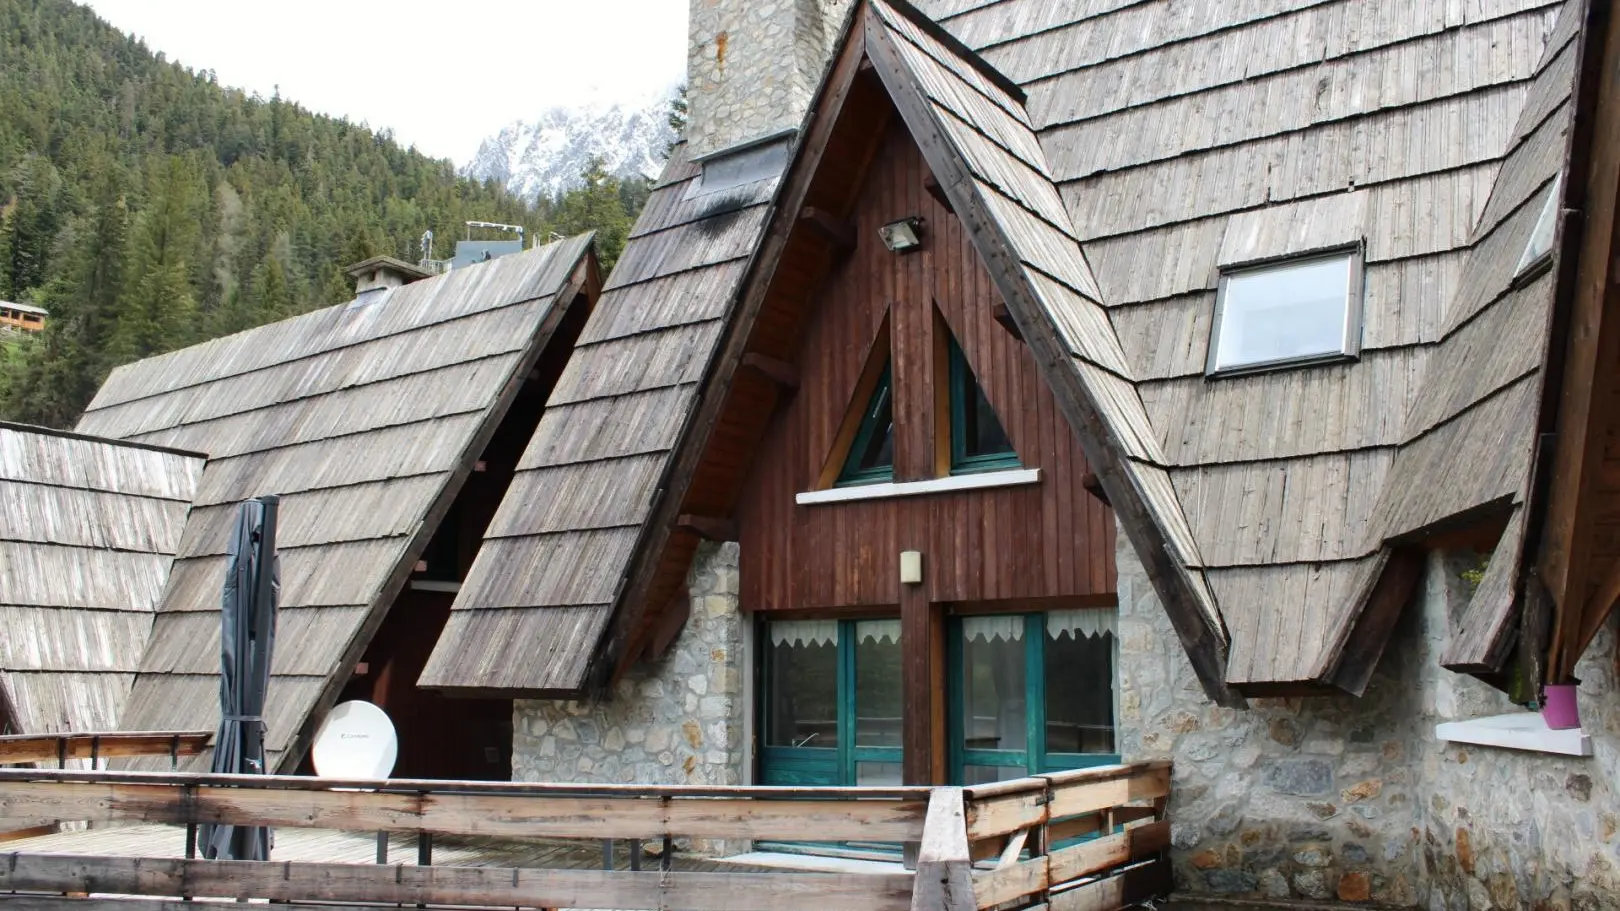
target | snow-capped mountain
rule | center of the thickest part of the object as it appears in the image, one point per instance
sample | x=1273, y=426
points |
x=544, y=156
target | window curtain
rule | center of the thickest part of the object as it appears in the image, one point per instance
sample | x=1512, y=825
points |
x=805, y=632
x=1089, y=622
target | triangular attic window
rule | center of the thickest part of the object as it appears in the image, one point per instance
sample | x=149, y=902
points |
x=871, y=456
x=978, y=442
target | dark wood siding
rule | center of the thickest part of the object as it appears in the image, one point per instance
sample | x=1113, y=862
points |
x=1046, y=540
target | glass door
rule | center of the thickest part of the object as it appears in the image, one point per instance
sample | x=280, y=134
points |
x=1031, y=693
x=832, y=703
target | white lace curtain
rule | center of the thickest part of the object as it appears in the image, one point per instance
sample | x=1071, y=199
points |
x=1090, y=622
x=804, y=632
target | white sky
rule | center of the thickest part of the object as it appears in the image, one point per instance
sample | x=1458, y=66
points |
x=440, y=80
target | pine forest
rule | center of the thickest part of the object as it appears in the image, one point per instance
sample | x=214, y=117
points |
x=147, y=207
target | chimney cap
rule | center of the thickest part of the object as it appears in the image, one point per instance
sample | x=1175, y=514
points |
x=406, y=271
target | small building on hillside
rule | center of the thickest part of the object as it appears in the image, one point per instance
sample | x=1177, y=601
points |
x=22, y=317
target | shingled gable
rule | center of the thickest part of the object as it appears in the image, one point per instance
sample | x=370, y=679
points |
x=366, y=418
x=88, y=529
x=1017, y=223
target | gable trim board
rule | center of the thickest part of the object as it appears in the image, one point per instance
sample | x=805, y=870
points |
x=338, y=585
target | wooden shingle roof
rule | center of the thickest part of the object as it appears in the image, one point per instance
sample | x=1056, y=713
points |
x=88, y=529
x=366, y=418
x=542, y=588
x=1108, y=159
x=1186, y=137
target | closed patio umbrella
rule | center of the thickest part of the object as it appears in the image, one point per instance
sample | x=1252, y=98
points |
x=247, y=633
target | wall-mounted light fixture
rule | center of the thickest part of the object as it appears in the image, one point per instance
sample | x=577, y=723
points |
x=902, y=236
x=911, y=572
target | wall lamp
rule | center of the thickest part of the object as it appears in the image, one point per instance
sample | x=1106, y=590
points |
x=903, y=236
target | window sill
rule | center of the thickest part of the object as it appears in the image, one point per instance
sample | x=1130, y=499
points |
x=890, y=489
x=1517, y=731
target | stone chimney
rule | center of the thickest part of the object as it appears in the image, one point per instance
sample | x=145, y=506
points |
x=752, y=68
x=383, y=272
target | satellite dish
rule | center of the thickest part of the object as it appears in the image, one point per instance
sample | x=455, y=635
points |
x=356, y=741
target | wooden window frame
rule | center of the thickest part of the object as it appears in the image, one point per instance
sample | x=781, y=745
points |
x=1354, y=306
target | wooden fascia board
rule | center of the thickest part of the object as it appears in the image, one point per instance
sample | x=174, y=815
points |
x=630, y=604
x=1204, y=642
x=1582, y=344
x=377, y=611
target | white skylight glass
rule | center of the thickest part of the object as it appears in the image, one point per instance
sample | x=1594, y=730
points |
x=1541, y=239
x=1300, y=310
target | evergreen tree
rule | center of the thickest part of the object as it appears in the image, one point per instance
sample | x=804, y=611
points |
x=596, y=206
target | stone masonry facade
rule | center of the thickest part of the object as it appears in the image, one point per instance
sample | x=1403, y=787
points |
x=681, y=720
x=753, y=67
x=1354, y=799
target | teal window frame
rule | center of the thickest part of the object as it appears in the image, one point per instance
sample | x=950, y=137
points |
x=964, y=390
x=796, y=766
x=1034, y=758
x=852, y=474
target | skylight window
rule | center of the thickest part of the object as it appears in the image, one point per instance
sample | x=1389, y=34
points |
x=1298, y=311
x=1539, y=249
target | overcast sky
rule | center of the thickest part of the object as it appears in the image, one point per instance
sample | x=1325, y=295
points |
x=393, y=64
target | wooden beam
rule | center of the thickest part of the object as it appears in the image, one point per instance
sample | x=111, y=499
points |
x=1093, y=486
x=709, y=528
x=922, y=686
x=1134, y=844
x=1586, y=345
x=1353, y=655
x=931, y=184
x=486, y=886
x=944, y=880
x=839, y=233
x=783, y=374
x=1201, y=635
x=1004, y=318
x=20, y=748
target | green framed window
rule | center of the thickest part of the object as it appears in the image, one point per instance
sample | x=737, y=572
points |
x=871, y=456
x=832, y=703
x=1031, y=693
x=978, y=442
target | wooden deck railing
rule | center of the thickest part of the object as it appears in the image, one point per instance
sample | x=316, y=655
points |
x=17, y=749
x=980, y=848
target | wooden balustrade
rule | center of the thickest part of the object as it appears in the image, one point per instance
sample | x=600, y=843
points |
x=17, y=749
x=1087, y=840
x=1000, y=846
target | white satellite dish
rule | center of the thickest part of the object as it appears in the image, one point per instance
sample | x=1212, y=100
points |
x=356, y=741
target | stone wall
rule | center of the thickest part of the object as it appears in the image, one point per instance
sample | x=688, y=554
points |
x=1353, y=799
x=753, y=66
x=681, y=720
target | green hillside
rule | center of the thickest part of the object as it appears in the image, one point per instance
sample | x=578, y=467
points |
x=148, y=207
